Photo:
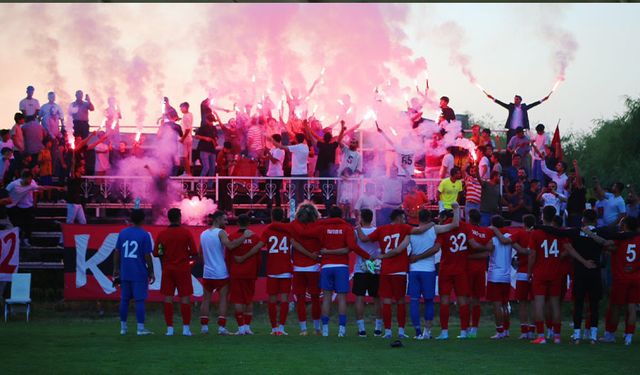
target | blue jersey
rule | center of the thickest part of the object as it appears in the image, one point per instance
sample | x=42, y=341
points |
x=133, y=243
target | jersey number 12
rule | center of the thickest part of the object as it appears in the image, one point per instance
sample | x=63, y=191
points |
x=130, y=249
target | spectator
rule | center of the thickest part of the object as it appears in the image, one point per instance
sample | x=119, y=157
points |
x=45, y=161
x=517, y=203
x=5, y=162
x=518, y=113
x=538, y=146
x=62, y=161
x=75, y=198
x=449, y=189
x=559, y=176
x=255, y=138
x=448, y=162
x=34, y=135
x=391, y=196
x=446, y=113
x=29, y=106
x=299, y=160
x=276, y=164
x=512, y=171
x=413, y=202
x=5, y=140
x=102, y=149
x=520, y=145
x=577, y=199
x=17, y=136
x=632, y=203
x=187, y=139
x=120, y=154
x=473, y=191
x=368, y=200
x=52, y=117
x=475, y=134
x=485, y=138
x=226, y=162
x=484, y=168
x=613, y=205
x=550, y=196
x=79, y=112
x=490, y=199
x=327, y=147
x=496, y=166
x=112, y=116
x=206, y=136
x=532, y=196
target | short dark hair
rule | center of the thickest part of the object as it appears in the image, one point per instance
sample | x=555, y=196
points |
x=26, y=173
x=366, y=215
x=276, y=137
x=243, y=220
x=529, y=220
x=174, y=215
x=539, y=127
x=548, y=212
x=424, y=215
x=184, y=104
x=5, y=150
x=228, y=145
x=217, y=214
x=335, y=211
x=299, y=137
x=277, y=214
x=590, y=216
x=4, y=132
x=474, y=216
x=18, y=116
x=454, y=170
x=137, y=216
x=445, y=98
x=486, y=130
x=396, y=213
x=327, y=137
x=564, y=165
x=619, y=185
x=519, y=97
x=497, y=221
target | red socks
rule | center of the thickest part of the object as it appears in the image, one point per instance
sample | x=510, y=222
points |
x=475, y=316
x=402, y=315
x=185, y=310
x=540, y=327
x=507, y=321
x=301, y=308
x=315, y=307
x=609, y=326
x=240, y=319
x=444, y=316
x=222, y=321
x=556, y=328
x=204, y=320
x=272, y=314
x=284, y=311
x=524, y=328
x=464, y=317
x=168, y=314
x=630, y=329
x=248, y=318
x=386, y=315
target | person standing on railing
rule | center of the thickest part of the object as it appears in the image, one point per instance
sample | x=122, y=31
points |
x=325, y=165
x=75, y=199
x=299, y=161
x=79, y=112
x=276, y=160
x=186, y=139
x=518, y=113
x=391, y=196
x=206, y=136
x=226, y=162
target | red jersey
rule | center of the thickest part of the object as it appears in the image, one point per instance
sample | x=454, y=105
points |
x=336, y=233
x=278, y=251
x=249, y=268
x=176, y=244
x=295, y=230
x=548, y=264
x=625, y=261
x=455, y=250
x=389, y=237
x=483, y=236
x=521, y=237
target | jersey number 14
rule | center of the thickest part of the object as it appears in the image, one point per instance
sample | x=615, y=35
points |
x=550, y=250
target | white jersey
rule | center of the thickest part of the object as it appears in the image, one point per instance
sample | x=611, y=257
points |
x=213, y=253
x=350, y=160
x=420, y=243
x=370, y=247
x=404, y=162
x=500, y=262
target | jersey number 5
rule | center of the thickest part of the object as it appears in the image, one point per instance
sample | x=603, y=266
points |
x=631, y=253
x=275, y=247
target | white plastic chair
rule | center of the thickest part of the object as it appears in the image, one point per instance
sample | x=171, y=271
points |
x=20, y=293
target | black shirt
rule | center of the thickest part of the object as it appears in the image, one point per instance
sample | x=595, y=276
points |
x=576, y=201
x=74, y=190
x=448, y=114
x=326, y=155
x=584, y=245
x=206, y=131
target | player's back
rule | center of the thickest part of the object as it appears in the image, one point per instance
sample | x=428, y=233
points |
x=500, y=262
x=336, y=234
x=176, y=245
x=213, y=253
x=548, y=265
x=626, y=260
x=133, y=243
x=370, y=247
x=307, y=235
x=389, y=237
x=249, y=268
x=522, y=238
x=455, y=250
x=278, y=251
x=483, y=236
x=420, y=243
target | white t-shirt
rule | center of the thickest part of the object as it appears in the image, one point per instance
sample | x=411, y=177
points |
x=613, y=206
x=500, y=262
x=213, y=252
x=487, y=173
x=51, y=114
x=29, y=106
x=367, y=201
x=350, y=160
x=275, y=168
x=448, y=162
x=550, y=199
x=21, y=196
x=540, y=140
x=516, y=118
x=559, y=179
x=187, y=126
x=102, y=157
x=420, y=243
x=404, y=162
x=299, y=158
x=370, y=247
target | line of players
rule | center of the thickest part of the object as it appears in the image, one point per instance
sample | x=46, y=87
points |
x=310, y=255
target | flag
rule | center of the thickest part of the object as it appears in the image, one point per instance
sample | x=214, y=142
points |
x=556, y=144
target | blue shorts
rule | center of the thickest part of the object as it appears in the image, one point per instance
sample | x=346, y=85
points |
x=335, y=278
x=134, y=289
x=422, y=284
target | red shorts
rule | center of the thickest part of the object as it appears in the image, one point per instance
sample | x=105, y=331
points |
x=210, y=285
x=278, y=286
x=477, y=283
x=523, y=291
x=459, y=283
x=172, y=279
x=625, y=292
x=241, y=291
x=547, y=288
x=393, y=287
x=498, y=292
x=304, y=282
